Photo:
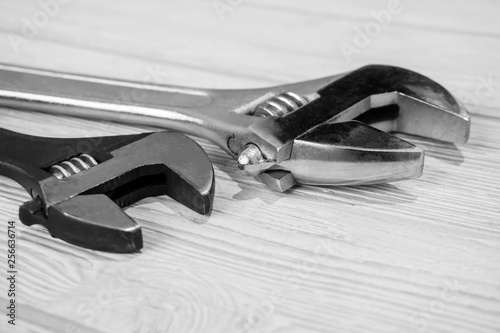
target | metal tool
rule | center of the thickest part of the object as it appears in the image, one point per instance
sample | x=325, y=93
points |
x=77, y=196
x=296, y=133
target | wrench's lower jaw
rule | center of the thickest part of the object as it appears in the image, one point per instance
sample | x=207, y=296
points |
x=91, y=221
x=352, y=153
x=354, y=173
x=94, y=222
x=351, y=168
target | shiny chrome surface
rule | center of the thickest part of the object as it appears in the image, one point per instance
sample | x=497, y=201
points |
x=352, y=153
x=289, y=142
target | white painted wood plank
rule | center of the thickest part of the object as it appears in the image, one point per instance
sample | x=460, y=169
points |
x=420, y=255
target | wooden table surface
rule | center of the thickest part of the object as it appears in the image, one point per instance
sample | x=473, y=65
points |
x=413, y=256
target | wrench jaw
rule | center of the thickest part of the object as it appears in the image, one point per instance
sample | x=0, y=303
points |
x=434, y=122
x=430, y=121
x=425, y=108
x=352, y=153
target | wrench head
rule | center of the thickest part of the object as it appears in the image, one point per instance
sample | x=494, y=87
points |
x=417, y=105
x=85, y=208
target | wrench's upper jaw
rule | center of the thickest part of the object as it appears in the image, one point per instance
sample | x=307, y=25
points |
x=425, y=107
x=352, y=153
x=419, y=117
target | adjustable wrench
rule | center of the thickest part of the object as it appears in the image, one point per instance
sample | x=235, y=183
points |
x=77, y=194
x=300, y=133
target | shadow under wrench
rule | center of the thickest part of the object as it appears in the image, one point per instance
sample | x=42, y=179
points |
x=360, y=195
x=386, y=194
x=167, y=207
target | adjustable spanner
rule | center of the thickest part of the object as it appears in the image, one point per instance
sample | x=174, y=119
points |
x=326, y=131
x=77, y=194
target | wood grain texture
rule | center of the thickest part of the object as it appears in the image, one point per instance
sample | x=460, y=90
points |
x=413, y=256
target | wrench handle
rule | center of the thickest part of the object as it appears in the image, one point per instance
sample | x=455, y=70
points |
x=203, y=113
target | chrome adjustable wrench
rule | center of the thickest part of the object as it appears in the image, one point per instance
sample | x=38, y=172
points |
x=78, y=192
x=326, y=131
